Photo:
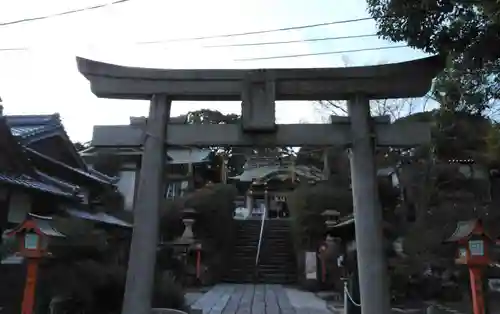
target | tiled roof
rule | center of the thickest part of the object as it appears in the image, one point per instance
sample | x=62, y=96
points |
x=260, y=173
x=44, y=225
x=25, y=181
x=464, y=230
x=188, y=156
x=99, y=217
x=100, y=178
x=31, y=127
x=175, y=155
x=103, y=176
x=75, y=189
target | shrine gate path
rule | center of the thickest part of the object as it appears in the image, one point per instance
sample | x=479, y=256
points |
x=253, y=299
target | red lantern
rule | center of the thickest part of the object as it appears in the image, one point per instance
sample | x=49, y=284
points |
x=322, y=257
x=32, y=235
x=474, y=247
x=197, y=247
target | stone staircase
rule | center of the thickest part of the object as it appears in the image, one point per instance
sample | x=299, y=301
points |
x=277, y=259
x=277, y=262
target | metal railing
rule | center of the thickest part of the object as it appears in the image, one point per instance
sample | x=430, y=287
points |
x=263, y=221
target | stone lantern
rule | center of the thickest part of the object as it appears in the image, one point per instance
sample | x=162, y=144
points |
x=331, y=218
x=188, y=218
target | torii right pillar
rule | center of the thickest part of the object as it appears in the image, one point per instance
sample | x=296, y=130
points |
x=372, y=267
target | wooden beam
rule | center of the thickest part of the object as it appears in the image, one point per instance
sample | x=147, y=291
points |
x=398, y=80
x=204, y=135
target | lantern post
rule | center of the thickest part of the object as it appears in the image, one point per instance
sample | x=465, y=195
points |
x=33, y=243
x=474, y=251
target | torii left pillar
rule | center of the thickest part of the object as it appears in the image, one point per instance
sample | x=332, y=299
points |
x=142, y=260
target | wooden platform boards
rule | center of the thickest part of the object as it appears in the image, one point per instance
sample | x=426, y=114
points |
x=257, y=299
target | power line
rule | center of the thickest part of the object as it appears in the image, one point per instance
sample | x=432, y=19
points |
x=290, y=41
x=250, y=44
x=256, y=32
x=15, y=49
x=205, y=37
x=31, y=19
x=320, y=53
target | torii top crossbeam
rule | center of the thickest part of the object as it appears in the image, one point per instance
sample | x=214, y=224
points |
x=397, y=80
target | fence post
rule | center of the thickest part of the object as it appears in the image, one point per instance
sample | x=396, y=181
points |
x=346, y=298
x=430, y=309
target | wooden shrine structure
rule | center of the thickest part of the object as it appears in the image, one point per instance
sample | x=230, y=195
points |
x=258, y=90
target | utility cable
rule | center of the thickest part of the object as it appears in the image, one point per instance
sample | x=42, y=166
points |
x=273, y=57
x=32, y=19
x=320, y=53
x=250, y=44
x=263, y=43
x=15, y=49
x=206, y=37
x=256, y=32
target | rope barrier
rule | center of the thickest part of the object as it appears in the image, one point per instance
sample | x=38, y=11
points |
x=346, y=293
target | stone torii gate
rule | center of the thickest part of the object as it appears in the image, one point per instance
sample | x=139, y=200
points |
x=258, y=90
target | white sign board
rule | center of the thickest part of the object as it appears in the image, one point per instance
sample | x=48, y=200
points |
x=494, y=284
x=31, y=241
x=310, y=265
x=476, y=247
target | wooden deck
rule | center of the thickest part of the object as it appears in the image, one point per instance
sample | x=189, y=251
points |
x=257, y=299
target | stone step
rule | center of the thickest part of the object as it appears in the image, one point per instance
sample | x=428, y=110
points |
x=271, y=246
x=266, y=253
x=276, y=251
x=276, y=279
x=246, y=230
x=276, y=261
x=277, y=268
x=279, y=241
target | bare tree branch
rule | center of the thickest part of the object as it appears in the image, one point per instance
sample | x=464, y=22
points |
x=395, y=108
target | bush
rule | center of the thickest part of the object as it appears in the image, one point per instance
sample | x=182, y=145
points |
x=307, y=203
x=171, y=226
x=99, y=288
x=87, y=284
x=168, y=293
x=214, y=225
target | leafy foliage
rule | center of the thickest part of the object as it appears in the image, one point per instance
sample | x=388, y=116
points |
x=465, y=31
x=438, y=192
x=80, y=146
x=307, y=203
x=214, y=225
x=461, y=28
x=168, y=293
x=96, y=287
x=236, y=156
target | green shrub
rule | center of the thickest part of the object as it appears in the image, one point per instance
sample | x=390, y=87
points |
x=171, y=226
x=84, y=283
x=214, y=226
x=168, y=293
x=307, y=203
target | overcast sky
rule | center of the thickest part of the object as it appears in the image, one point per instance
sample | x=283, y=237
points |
x=44, y=79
